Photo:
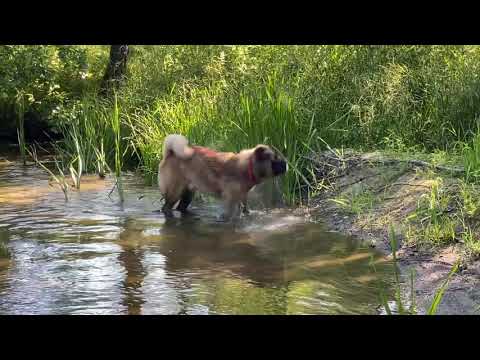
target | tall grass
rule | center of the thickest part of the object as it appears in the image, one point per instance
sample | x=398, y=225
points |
x=269, y=115
x=471, y=159
x=118, y=148
x=59, y=177
x=20, y=112
x=76, y=174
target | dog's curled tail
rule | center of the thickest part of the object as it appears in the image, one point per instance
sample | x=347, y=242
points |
x=178, y=145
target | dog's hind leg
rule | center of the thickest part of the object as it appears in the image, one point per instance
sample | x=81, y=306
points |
x=171, y=198
x=185, y=200
x=167, y=207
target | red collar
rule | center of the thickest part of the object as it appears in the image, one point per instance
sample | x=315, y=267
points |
x=251, y=175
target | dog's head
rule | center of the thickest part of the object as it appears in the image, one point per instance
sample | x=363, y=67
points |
x=267, y=163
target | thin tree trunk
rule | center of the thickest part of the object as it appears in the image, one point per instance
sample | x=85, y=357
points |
x=116, y=68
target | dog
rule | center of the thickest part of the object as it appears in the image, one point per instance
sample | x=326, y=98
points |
x=186, y=169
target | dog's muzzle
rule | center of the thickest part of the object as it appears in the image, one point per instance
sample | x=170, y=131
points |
x=279, y=167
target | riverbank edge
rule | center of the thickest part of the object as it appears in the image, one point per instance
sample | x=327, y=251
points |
x=356, y=171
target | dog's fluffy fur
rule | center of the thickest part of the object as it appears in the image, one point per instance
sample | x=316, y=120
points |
x=185, y=169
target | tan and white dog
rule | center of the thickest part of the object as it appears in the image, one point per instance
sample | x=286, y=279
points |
x=185, y=169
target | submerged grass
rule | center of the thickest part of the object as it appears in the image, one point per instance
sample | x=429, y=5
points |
x=59, y=177
x=4, y=253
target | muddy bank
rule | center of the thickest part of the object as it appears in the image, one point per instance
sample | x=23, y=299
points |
x=362, y=194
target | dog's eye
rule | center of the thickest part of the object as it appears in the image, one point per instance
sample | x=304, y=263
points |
x=261, y=153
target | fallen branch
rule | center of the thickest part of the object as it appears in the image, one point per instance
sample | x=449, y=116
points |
x=359, y=180
x=419, y=163
x=414, y=162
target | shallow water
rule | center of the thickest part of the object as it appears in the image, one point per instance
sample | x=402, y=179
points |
x=93, y=255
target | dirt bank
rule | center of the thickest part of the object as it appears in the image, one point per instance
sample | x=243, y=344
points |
x=362, y=194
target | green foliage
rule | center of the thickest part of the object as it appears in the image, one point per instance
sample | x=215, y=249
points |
x=433, y=218
x=296, y=98
x=46, y=77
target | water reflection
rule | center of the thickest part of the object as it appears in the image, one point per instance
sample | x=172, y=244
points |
x=93, y=256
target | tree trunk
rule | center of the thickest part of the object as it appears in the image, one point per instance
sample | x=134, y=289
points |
x=116, y=68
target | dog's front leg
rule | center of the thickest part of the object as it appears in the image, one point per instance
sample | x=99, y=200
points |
x=245, y=210
x=185, y=200
x=231, y=210
x=168, y=206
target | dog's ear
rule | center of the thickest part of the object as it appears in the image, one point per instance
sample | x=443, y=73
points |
x=261, y=152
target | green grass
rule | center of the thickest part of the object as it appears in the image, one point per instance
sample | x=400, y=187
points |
x=356, y=202
x=433, y=220
x=447, y=215
x=118, y=148
x=267, y=115
x=400, y=298
x=471, y=159
x=441, y=291
x=76, y=174
x=469, y=209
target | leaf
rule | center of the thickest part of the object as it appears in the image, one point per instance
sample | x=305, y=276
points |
x=441, y=291
x=385, y=303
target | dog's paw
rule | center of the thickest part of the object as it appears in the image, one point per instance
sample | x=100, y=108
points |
x=187, y=213
x=223, y=218
x=168, y=213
